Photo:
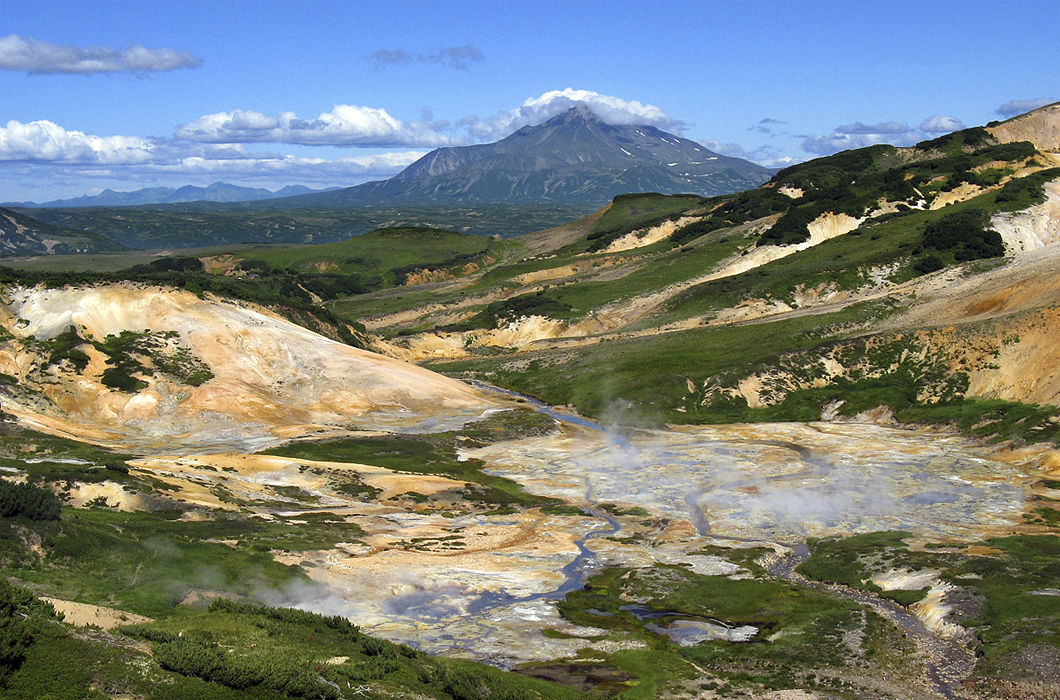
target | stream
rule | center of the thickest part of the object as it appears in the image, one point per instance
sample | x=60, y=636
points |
x=947, y=662
x=578, y=570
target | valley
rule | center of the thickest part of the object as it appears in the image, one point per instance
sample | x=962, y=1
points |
x=794, y=442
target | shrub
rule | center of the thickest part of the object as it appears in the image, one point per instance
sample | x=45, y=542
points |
x=1023, y=192
x=289, y=615
x=209, y=662
x=791, y=228
x=31, y=501
x=928, y=263
x=16, y=635
x=965, y=233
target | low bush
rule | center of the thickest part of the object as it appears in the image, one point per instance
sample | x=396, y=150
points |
x=965, y=234
x=27, y=500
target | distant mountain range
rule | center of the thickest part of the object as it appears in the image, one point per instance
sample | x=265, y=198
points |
x=573, y=158
x=217, y=192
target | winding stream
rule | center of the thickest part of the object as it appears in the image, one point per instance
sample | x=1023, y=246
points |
x=947, y=662
x=578, y=570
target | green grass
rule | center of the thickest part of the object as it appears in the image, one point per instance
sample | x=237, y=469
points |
x=146, y=563
x=207, y=224
x=649, y=374
x=1007, y=617
x=437, y=454
x=804, y=627
x=991, y=418
x=46, y=455
x=378, y=251
x=240, y=651
x=630, y=212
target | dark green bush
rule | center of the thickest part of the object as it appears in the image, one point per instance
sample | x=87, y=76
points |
x=790, y=228
x=209, y=662
x=65, y=347
x=965, y=234
x=27, y=500
x=928, y=263
x=970, y=138
x=1023, y=192
x=499, y=312
x=17, y=605
x=289, y=615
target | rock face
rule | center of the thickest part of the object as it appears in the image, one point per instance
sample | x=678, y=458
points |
x=574, y=158
x=271, y=379
x=1034, y=227
x=1041, y=127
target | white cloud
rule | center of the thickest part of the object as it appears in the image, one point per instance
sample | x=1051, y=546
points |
x=37, y=57
x=47, y=141
x=535, y=110
x=43, y=181
x=42, y=160
x=294, y=167
x=941, y=124
x=344, y=125
x=1015, y=107
x=766, y=155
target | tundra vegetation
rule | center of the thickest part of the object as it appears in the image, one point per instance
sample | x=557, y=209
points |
x=733, y=316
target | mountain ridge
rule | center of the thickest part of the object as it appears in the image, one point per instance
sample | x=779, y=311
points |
x=574, y=157
x=222, y=192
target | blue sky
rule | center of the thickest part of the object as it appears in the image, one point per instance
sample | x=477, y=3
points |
x=124, y=95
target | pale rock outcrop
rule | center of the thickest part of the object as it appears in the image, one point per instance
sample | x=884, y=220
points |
x=1034, y=227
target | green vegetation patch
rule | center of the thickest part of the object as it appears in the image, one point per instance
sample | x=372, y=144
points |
x=499, y=313
x=130, y=355
x=148, y=562
x=965, y=235
x=800, y=641
x=232, y=651
x=28, y=501
x=436, y=453
x=1023, y=192
x=255, y=648
x=1000, y=595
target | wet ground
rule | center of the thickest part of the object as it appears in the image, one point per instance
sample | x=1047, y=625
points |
x=765, y=484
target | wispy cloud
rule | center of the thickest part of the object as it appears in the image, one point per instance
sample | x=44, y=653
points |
x=860, y=135
x=766, y=155
x=37, y=57
x=344, y=125
x=766, y=126
x=458, y=57
x=1014, y=107
x=857, y=128
x=613, y=110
